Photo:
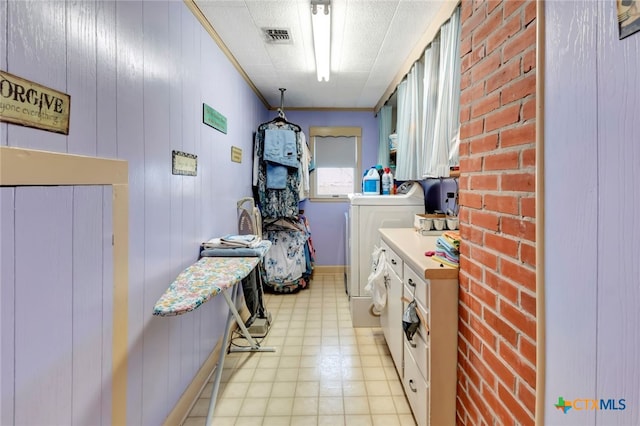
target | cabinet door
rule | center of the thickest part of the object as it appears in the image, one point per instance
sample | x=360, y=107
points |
x=391, y=319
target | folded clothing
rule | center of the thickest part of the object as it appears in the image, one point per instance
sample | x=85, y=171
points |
x=276, y=176
x=233, y=241
x=258, y=251
x=280, y=147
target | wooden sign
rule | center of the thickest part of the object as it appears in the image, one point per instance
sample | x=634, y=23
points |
x=184, y=164
x=33, y=105
x=236, y=154
x=213, y=118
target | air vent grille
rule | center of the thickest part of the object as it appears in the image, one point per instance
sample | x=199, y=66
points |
x=277, y=35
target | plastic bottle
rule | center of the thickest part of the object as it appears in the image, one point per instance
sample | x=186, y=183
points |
x=380, y=173
x=387, y=182
x=371, y=182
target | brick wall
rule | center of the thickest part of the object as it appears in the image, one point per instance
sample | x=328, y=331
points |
x=497, y=327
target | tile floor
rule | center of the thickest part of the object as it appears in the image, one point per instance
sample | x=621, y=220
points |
x=324, y=371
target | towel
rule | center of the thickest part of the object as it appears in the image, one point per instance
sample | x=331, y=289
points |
x=280, y=147
x=232, y=241
x=276, y=176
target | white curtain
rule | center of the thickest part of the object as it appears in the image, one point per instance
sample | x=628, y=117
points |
x=409, y=128
x=447, y=120
x=426, y=161
x=384, y=130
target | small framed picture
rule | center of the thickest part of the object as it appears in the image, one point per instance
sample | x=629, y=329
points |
x=628, y=17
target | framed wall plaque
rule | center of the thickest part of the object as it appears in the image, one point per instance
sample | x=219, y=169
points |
x=184, y=164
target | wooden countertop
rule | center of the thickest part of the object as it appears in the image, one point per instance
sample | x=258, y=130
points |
x=411, y=246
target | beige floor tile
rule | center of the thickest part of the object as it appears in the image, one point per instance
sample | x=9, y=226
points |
x=259, y=390
x=265, y=375
x=373, y=373
x=279, y=406
x=248, y=421
x=356, y=405
x=276, y=421
x=234, y=390
x=284, y=390
x=406, y=420
x=402, y=405
x=355, y=388
x=331, y=388
x=228, y=407
x=381, y=405
x=358, y=420
x=304, y=420
x=378, y=388
x=330, y=405
x=200, y=408
x=253, y=407
x=305, y=406
x=308, y=389
x=287, y=375
x=331, y=420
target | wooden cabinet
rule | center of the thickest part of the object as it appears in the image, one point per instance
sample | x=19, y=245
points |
x=429, y=359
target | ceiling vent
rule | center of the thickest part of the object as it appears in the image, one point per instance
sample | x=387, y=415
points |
x=277, y=35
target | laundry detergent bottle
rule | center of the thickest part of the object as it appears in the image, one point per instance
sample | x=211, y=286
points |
x=371, y=182
x=387, y=182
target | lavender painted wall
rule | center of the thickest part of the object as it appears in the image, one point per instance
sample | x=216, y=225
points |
x=327, y=219
x=137, y=73
x=592, y=231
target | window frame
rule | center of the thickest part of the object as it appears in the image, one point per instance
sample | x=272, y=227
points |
x=337, y=131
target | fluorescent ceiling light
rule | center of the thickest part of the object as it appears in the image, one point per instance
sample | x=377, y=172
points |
x=321, y=23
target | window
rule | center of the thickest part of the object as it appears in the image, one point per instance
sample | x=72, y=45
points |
x=336, y=154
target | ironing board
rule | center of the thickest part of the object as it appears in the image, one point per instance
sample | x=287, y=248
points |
x=198, y=283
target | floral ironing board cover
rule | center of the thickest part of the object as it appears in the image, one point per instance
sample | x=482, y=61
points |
x=201, y=281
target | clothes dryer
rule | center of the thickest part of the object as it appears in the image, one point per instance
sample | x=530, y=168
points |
x=368, y=213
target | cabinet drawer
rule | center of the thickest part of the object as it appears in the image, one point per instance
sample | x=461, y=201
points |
x=419, y=350
x=394, y=261
x=416, y=389
x=417, y=284
x=423, y=330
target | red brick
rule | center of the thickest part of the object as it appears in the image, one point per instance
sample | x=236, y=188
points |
x=465, y=46
x=529, y=60
x=484, y=295
x=481, y=367
x=488, y=417
x=519, y=89
x=463, y=216
x=521, y=416
x=518, y=364
x=466, y=9
x=528, y=109
x=469, y=24
x=520, y=42
x=471, y=128
x=503, y=288
x=484, y=182
x=525, y=182
x=511, y=6
x=528, y=207
x=502, y=328
x=502, y=415
x=518, y=228
x=528, y=350
x=465, y=80
x=528, y=303
x=488, y=26
x=501, y=203
x=530, y=12
x=470, y=199
x=529, y=158
x=472, y=235
x=485, y=104
x=528, y=254
x=502, y=117
x=472, y=58
x=521, y=321
x=502, y=34
x=484, y=143
x=507, y=72
x=487, y=66
x=471, y=164
x=463, y=149
x=499, y=367
x=503, y=161
x=526, y=396
x=472, y=94
x=492, y=4
x=519, y=274
x=486, y=220
x=465, y=114
x=519, y=135
x=471, y=268
x=469, y=336
x=472, y=304
x=499, y=243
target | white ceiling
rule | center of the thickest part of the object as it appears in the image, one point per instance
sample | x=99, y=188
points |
x=370, y=42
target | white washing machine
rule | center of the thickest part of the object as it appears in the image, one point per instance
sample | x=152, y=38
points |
x=367, y=213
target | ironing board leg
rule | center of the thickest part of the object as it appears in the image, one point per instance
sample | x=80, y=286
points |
x=255, y=347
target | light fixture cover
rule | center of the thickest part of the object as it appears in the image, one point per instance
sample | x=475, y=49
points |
x=321, y=23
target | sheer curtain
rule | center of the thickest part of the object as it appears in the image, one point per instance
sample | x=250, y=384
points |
x=384, y=130
x=447, y=118
x=426, y=161
x=409, y=128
